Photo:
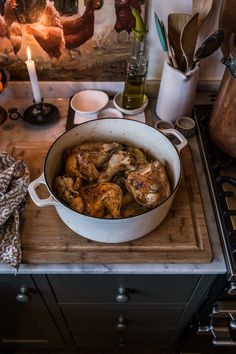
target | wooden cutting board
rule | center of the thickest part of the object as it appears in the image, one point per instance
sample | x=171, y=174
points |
x=181, y=238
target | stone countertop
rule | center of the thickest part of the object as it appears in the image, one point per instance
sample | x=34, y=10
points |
x=217, y=266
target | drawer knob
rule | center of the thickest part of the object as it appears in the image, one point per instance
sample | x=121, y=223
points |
x=23, y=295
x=121, y=342
x=121, y=325
x=122, y=295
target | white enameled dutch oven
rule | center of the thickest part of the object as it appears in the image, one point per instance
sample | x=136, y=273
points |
x=129, y=132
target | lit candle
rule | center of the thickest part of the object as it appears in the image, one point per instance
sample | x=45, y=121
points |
x=33, y=78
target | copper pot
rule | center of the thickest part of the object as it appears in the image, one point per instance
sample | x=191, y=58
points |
x=222, y=125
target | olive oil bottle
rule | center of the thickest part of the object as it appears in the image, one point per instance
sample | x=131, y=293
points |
x=136, y=70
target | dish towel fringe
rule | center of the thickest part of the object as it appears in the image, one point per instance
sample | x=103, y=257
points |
x=14, y=181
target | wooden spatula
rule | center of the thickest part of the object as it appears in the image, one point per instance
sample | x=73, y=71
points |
x=188, y=39
x=176, y=23
x=203, y=8
x=227, y=22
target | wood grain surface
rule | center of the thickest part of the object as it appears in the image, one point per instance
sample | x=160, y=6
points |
x=181, y=238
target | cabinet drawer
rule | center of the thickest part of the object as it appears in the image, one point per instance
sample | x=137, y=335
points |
x=106, y=338
x=26, y=321
x=116, y=317
x=138, y=288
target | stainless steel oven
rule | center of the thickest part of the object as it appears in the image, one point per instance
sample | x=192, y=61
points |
x=217, y=315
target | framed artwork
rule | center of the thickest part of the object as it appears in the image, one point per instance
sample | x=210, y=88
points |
x=69, y=40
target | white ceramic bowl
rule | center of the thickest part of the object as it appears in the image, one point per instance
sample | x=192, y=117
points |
x=110, y=113
x=163, y=124
x=89, y=101
x=117, y=100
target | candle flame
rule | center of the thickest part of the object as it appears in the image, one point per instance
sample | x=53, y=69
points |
x=28, y=53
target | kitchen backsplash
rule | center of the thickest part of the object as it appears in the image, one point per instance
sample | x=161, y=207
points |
x=89, y=40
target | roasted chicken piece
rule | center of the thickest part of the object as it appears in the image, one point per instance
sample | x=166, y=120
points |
x=132, y=209
x=77, y=165
x=67, y=190
x=120, y=161
x=129, y=206
x=140, y=157
x=149, y=185
x=83, y=160
x=102, y=199
x=97, y=153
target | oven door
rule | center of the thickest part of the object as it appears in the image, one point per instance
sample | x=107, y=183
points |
x=222, y=326
x=217, y=315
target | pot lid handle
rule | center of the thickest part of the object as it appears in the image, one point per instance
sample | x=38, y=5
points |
x=34, y=195
x=178, y=135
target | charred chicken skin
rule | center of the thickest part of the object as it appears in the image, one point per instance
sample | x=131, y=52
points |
x=102, y=200
x=83, y=160
x=149, y=185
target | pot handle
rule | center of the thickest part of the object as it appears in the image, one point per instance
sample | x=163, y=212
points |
x=179, y=136
x=34, y=196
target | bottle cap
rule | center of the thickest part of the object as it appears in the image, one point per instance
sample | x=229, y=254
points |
x=140, y=28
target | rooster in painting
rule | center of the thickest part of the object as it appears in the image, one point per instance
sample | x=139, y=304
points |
x=125, y=20
x=48, y=32
x=105, y=20
x=79, y=29
x=10, y=30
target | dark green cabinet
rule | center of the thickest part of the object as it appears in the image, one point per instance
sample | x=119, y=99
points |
x=25, y=319
x=110, y=311
x=138, y=288
x=74, y=311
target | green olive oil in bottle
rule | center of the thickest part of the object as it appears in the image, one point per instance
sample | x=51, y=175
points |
x=136, y=70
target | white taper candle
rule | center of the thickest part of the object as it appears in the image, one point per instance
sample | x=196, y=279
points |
x=33, y=78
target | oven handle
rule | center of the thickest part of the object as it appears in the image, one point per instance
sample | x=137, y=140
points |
x=224, y=308
x=226, y=343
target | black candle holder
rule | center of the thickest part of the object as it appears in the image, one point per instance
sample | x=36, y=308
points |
x=38, y=114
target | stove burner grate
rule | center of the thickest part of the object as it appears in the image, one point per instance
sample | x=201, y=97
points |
x=222, y=180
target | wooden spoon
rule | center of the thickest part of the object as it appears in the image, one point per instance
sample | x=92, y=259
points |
x=203, y=8
x=227, y=23
x=176, y=23
x=209, y=46
x=188, y=39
